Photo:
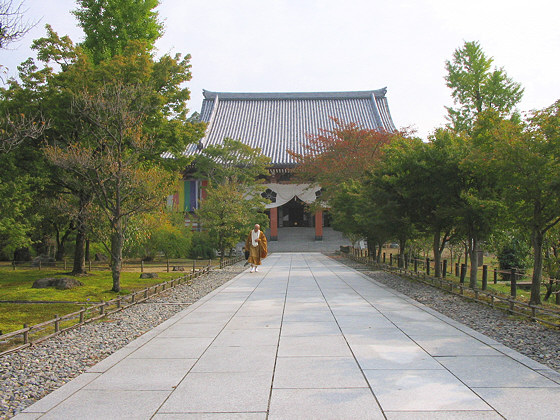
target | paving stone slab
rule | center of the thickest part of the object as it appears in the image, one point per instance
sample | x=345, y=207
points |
x=455, y=346
x=252, y=322
x=143, y=375
x=105, y=404
x=328, y=345
x=173, y=348
x=393, y=354
x=523, y=403
x=327, y=404
x=494, y=371
x=308, y=329
x=220, y=392
x=203, y=330
x=443, y=415
x=422, y=390
x=237, y=359
x=249, y=337
x=318, y=372
x=211, y=416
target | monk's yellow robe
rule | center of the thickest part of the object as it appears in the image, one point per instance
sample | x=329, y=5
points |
x=259, y=252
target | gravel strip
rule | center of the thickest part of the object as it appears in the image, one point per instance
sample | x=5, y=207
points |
x=30, y=374
x=532, y=339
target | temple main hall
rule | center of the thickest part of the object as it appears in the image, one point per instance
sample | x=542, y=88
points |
x=276, y=123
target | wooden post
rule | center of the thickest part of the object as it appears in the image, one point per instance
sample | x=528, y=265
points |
x=415, y=265
x=391, y=260
x=456, y=269
x=25, y=334
x=383, y=259
x=427, y=266
x=495, y=275
x=141, y=266
x=513, y=283
x=463, y=273
x=56, y=324
x=444, y=269
x=168, y=265
x=484, y=277
x=193, y=266
x=82, y=312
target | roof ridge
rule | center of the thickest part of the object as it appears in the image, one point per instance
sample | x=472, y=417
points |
x=378, y=93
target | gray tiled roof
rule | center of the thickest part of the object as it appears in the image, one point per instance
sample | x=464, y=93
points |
x=277, y=122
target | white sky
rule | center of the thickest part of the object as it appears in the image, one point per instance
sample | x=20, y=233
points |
x=328, y=45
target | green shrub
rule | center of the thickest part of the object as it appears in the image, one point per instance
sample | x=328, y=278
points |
x=201, y=246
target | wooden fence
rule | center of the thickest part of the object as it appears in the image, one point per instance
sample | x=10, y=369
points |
x=66, y=264
x=538, y=313
x=30, y=335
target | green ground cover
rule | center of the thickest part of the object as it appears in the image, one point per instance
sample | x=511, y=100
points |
x=16, y=286
x=13, y=315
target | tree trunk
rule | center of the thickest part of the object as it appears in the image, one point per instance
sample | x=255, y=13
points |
x=437, y=254
x=87, y=250
x=379, y=251
x=474, y=262
x=117, y=241
x=537, y=242
x=402, y=246
x=79, y=254
x=61, y=244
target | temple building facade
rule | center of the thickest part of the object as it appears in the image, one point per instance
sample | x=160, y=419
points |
x=276, y=123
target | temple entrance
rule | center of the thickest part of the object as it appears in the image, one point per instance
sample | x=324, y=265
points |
x=294, y=214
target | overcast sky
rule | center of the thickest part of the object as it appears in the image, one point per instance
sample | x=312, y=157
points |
x=328, y=45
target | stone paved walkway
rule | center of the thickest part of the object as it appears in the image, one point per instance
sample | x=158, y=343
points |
x=308, y=338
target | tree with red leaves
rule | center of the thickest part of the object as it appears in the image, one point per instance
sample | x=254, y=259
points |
x=345, y=153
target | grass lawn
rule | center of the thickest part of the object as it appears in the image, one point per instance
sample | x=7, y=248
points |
x=14, y=315
x=16, y=286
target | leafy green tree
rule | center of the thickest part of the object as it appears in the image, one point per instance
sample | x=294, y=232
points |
x=232, y=161
x=112, y=161
x=476, y=86
x=110, y=25
x=171, y=237
x=228, y=214
x=526, y=159
x=423, y=184
x=234, y=203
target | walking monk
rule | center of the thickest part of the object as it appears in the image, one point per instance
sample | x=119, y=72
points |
x=256, y=244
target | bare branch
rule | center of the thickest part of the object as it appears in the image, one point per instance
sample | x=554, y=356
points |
x=12, y=24
x=15, y=129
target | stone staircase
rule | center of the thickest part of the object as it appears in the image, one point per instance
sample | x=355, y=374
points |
x=302, y=239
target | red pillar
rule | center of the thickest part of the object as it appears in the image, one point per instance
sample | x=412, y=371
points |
x=319, y=225
x=204, y=184
x=274, y=224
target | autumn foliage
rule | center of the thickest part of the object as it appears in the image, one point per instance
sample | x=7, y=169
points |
x=335, y=156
